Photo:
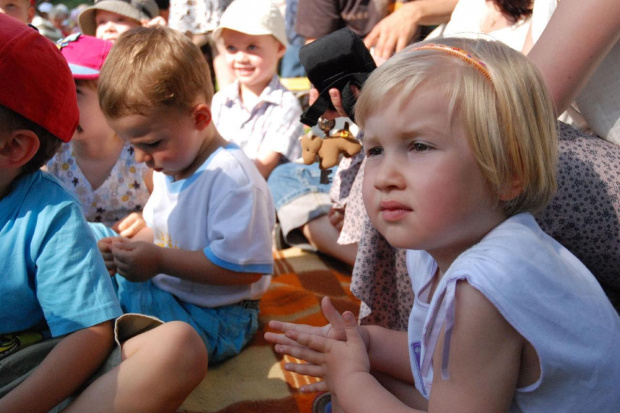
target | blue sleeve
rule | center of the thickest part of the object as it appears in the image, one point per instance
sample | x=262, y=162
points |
x=72, y=284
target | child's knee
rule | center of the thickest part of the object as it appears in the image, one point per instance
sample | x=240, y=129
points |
x=185, y=349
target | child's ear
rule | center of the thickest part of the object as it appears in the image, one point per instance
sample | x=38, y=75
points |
x=18, y=148
x=202, y=116
x=281, y=50
x=511, y=190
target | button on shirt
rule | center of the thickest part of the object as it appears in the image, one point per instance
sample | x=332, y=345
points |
x=272, y=124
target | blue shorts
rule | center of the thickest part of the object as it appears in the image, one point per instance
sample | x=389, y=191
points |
x=299, y=196
x=225, y=330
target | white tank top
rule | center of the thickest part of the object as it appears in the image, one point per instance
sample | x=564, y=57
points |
x=547, y=295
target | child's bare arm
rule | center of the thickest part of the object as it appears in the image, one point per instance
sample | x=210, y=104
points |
x=63, y=371
x=140, y=261
x=484, y=360
x=266, y=162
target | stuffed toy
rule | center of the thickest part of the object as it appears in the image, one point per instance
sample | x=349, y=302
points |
x=329, y=148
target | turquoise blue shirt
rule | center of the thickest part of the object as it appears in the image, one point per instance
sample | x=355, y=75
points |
x=51, y=270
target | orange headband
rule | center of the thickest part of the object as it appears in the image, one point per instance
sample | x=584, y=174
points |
x=460, y=53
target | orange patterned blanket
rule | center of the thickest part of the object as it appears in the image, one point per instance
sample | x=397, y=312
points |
x=255, y=381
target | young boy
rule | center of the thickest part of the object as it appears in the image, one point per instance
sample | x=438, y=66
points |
x=108, y=19
x=210, y=216
x=22, y=10
x=58, y=304
x=256, y=111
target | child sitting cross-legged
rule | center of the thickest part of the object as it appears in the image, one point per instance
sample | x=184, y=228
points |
x=60, y=316
x=461, y=147
x=256, y=111
x=205, y=256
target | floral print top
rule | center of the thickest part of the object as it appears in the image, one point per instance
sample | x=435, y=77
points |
x=122, y=193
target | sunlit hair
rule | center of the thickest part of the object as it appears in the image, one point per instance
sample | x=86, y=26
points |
x=150, y=69
x=509, y=120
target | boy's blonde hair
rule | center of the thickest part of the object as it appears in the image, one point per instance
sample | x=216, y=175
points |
x=509, y=119
x=153, y=68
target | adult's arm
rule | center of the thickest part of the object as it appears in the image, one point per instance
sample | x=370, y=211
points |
x=396, y=30
x=576, y=39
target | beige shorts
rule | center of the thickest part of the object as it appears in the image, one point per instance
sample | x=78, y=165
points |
x=15, y=368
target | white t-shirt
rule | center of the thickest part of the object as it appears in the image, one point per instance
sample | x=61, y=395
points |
x=547, y=295
x=466, y=19
x=224, y=209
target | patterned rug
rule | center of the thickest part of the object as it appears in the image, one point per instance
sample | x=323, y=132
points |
x=255, y=381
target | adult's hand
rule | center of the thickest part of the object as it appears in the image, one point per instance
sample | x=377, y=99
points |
x=398, y=29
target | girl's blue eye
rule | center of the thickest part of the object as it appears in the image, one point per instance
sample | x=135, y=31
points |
x=230, y=49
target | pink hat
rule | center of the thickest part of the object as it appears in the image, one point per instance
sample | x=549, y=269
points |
x=35, y=80
x=85, y=54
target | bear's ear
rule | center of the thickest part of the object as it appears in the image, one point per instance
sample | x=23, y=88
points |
x=17, y=148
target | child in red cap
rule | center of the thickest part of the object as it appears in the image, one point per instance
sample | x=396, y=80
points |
x=57, y=319
x=97, y=165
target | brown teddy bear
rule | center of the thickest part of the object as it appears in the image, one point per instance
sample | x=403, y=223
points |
x=329, y=149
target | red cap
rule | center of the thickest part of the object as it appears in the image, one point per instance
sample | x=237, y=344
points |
x=35, y=80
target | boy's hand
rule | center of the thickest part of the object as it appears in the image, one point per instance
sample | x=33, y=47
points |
x=308, y=343
x=130, y=225
x=105, y=247
x=136, y=261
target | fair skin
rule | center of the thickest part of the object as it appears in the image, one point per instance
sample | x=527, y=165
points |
x=422, y=189
x=396, y=30
x=97, y=148
x=174, y=143
x=145, y=358
x=111, y=25
x=22, y=10
x=254, y=61
x=567, y=57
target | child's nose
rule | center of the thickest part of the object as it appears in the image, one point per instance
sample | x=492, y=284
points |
x=109, y=26
x=389, y=175
x=241, y=56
